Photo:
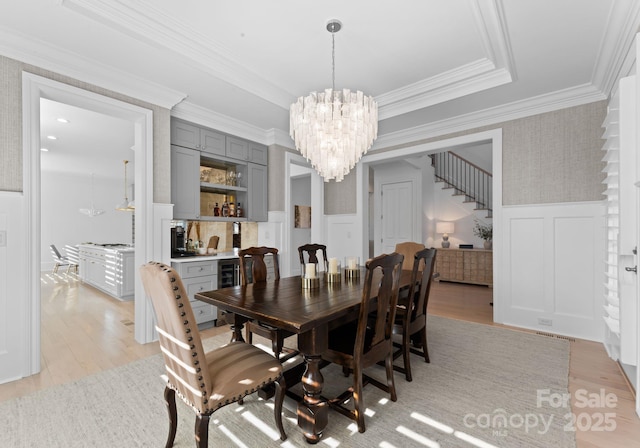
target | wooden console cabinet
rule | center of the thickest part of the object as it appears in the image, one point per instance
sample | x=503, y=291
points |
x=473, y=266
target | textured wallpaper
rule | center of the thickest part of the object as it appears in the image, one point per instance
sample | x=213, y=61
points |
x=11, y=127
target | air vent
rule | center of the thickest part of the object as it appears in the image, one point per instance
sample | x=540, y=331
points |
x=551, y=335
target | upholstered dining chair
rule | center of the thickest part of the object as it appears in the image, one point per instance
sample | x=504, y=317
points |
x=408, y=249
x=411, y=315
x=311, y=252
x=358, y=345
x=206, y=381
x=259, y=274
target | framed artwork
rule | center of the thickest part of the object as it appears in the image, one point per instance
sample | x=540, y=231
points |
x=302, y=217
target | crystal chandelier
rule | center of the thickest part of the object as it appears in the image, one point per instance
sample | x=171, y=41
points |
x=334, y=129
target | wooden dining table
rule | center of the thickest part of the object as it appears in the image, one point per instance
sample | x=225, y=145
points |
x=309, y=313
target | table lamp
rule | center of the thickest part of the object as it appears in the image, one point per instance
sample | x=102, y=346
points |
x=445, y=228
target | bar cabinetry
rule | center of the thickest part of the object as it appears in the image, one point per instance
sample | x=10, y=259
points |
x=474, y=266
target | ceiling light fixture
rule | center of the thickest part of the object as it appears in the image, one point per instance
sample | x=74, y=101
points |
x=334, y=129
x=52, y=137
x=125, y=205
x=91, y=212
x=63, y=120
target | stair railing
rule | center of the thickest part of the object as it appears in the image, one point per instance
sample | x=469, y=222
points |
x=465, y=177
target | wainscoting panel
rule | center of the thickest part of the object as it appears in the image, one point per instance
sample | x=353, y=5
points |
x=15, y=302
x=552, y=261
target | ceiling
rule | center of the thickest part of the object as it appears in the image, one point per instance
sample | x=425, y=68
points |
x=242, y=63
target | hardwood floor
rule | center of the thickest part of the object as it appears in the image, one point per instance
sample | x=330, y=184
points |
x=85, y=331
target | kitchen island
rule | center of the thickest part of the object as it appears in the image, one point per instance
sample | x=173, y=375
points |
x=109, y=267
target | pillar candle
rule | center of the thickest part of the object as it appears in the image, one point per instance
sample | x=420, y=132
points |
x=310, y=270
x=333, y=265
x=352, y=263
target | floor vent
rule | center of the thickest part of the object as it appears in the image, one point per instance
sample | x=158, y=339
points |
x=127, y=322
x=551, y=335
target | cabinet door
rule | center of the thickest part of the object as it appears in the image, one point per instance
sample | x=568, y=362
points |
x=257, y=207
x=185, y=134
x=237, y=148
x=257, y=153
x=185, y=182
x=127, y=267
x=212, y=142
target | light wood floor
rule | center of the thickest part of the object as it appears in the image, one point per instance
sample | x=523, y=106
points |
x=85, y=331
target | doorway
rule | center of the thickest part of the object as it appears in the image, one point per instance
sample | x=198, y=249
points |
x=36, y=88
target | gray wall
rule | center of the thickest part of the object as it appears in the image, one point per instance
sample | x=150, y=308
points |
x=548, y=158
x=11, y=127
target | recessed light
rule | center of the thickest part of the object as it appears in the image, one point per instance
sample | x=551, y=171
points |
x=63, y=120
x=52, y=137
x=44, y=149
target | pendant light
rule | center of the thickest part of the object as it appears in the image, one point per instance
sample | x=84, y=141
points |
x=91, y=212
x=125, y=205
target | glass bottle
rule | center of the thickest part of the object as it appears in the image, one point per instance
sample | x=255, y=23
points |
x=225, y=210
x=216, y=210
x=239, y=211
x=232, y=209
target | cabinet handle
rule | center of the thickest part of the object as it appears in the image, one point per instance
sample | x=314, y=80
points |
x=201, y=312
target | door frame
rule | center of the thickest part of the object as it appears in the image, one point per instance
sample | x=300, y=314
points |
x=493, y=136
x=35, y=87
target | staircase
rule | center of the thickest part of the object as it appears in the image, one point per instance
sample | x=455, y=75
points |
x=465, y=178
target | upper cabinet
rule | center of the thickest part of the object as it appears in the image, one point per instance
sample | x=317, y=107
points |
x=209, y=169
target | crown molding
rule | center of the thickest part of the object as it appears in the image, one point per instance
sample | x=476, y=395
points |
x=562, y=99
x=613, y=60
x=38, y=53
x=147, y=23
x=223, y=123
x=280, y=138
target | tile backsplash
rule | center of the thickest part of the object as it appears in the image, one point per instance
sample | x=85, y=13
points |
x=204, y=230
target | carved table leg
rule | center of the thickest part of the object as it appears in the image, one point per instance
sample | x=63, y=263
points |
x=313, y=410
x=236, y=328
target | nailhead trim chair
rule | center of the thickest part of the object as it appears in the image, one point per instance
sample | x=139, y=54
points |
x=205, y=381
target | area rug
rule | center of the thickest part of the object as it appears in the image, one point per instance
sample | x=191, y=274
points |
x=485, y=386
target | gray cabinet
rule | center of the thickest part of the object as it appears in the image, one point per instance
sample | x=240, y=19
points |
x=199, y=276
x=237, y=148
x=257, y=153
x=191, y=136
x=257, y=207
x=185, y=182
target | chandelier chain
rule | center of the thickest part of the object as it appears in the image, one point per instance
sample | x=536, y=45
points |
x=333, y=60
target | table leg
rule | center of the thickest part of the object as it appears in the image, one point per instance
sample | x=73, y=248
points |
x=313, y=410
x=236, y=328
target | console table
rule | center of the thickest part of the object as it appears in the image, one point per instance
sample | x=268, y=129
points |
x=474, y=266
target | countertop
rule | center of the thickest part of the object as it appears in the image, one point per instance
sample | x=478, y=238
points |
x=207, y=257
x=122, y=248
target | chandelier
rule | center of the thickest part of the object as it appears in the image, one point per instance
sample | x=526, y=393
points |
x=335, y=128
x=125, y=205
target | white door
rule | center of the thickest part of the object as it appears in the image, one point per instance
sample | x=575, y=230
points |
x=397, y=215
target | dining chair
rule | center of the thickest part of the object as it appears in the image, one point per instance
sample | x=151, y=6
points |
x=62, y=260
x=361, y=344
x=206, y=381
x=259, y=273
x=411, y=314
x=408, y=249
x=311, y=251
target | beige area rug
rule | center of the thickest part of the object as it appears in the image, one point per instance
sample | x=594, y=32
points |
x=480, y=389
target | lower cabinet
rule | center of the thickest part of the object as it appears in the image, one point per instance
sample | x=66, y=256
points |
x=199, y=276
x=473, y=266
x=110, y=270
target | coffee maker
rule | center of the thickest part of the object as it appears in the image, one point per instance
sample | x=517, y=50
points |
x=178, y=243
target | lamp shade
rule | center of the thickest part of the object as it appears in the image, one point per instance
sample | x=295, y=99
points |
x=444, y=227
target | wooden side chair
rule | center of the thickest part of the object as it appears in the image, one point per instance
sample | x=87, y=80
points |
x=311, y=251
x=206, y=381
x=356, y=346
x=411, y=316
x=259, y=274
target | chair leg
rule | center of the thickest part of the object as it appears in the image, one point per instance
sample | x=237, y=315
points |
x=425, y=350
x=170, y=401
x=55, y=268
x=249, y=334
x=202, y=430
x=390, y=382
x=279, y=399
x=406, y=357
x=358, y=403
x=276, y=344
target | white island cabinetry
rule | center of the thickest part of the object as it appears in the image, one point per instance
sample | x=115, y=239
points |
x=111, y=269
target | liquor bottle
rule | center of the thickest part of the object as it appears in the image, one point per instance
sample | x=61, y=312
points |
x=239, y=211
x=216, y=210
x=232, y=209
x=225, y=209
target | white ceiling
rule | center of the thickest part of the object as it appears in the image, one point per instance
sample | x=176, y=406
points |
x=244, y=62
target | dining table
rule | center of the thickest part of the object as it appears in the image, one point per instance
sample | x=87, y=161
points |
x=307, y=312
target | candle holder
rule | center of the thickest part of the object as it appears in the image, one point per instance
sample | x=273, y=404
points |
x=334, y=277
x=310, y=283
x=352, y=267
